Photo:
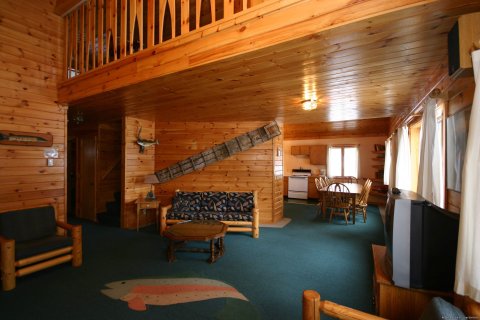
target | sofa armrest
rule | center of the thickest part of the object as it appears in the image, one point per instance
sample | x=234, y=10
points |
x=163, y=218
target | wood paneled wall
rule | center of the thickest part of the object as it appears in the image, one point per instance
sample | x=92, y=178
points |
x=31, y=56
x=135, y=167
x=277, y=185
x=253, y=169
x=109, y=163
x=338, y=129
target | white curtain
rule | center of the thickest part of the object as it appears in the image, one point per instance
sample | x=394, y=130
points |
x=403, y=168
x=427, y=141
x=388, y=162
x=438, y=175
x=467, y=280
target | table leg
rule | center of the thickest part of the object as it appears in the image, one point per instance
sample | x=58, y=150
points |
x=221, y=246
x=212, y=252
x=324, y=204
x=171, y=251
x=138, y=215
x=354, y=209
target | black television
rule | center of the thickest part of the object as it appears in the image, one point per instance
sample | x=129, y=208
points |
x=421, y=242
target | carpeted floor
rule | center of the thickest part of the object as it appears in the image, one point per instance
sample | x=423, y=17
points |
x=271, y=272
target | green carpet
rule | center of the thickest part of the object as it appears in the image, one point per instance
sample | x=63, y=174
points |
x=271, y=272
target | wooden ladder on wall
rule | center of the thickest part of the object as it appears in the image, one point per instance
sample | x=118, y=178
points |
x=219, y=152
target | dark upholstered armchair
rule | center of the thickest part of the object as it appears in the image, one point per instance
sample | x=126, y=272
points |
x=32, y=240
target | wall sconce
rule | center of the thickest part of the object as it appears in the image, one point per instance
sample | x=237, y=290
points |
x=50, y=154
x=310, y=104
x=151, y=178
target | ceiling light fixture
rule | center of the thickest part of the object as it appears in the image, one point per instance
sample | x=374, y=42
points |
x=310, y=104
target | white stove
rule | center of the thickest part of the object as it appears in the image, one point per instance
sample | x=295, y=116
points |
x=298, y=183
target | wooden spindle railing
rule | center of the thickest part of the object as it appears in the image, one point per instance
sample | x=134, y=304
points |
x=99, y=32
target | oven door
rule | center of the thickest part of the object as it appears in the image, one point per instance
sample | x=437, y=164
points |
x=298, y=187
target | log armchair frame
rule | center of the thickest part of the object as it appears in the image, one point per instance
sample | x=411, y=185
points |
x=11, y=268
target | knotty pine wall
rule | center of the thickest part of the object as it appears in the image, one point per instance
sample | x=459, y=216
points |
x=278, y=151
x=135, y=167
x=109, y=145
x=259, y=168
x=31, y=59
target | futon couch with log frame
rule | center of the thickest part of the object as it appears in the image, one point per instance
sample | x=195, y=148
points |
x=238, y=210
x=32, y=240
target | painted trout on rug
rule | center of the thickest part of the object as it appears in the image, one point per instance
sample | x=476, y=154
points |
x=139, y=293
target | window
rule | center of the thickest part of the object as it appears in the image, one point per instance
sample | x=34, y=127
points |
x=343, y=161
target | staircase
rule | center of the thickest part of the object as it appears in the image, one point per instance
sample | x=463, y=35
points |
x=112, y=216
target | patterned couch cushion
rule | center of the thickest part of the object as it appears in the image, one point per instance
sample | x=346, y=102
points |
x=240, y=202
x=187, y=202
x=214, y=201
x=211, y=215
x=227, y=206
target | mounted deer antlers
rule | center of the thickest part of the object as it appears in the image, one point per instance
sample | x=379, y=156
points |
x=143, y=143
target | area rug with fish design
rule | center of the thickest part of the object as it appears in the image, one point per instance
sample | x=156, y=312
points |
x=139, y=293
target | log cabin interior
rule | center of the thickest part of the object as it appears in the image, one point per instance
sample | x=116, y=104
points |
x=99, y=75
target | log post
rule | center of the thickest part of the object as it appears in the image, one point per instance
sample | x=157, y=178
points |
x=77, y=246
x=256, y=216
x=163, y=219
x=7, y=263
x=311, y=305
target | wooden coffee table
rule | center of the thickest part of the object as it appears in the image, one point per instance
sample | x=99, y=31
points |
x=197, y=230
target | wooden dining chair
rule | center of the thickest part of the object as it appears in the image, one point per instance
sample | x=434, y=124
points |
x=320, y=184
x=352, y=179
x=339, y=200
x=345, y=179
x=362, y=201
x=327, y=180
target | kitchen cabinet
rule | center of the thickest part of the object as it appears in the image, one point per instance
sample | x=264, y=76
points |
x=318, y=154
x=300, y=150
x=295, y=150
x=285, y=186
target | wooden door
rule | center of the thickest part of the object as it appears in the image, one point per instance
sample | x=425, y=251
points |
x=86, y=177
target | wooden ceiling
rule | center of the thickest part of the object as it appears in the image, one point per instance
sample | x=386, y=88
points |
x=375, y=68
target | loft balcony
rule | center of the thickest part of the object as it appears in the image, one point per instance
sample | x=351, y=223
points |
x=255, y=60
x=112, y=44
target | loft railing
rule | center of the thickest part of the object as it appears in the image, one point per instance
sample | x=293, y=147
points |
x=99, y=32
